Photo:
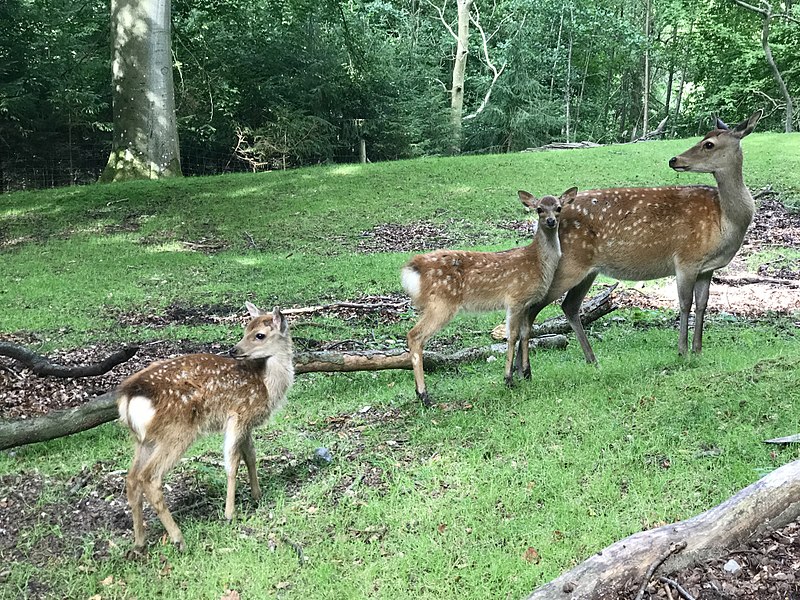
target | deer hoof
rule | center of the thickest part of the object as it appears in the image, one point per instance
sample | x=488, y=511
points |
x=180, y=545
x=526, y=373
x=509, y=381
x=135, y=553
x=425, y=399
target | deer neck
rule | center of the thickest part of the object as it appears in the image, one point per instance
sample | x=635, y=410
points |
x=277, y=373
x=546, y=243
x=735, y=200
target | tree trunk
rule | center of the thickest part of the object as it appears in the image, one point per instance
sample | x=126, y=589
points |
x=459, y=74
x=766, y=15
x=767, y=505
x=684, y=68
x=671, y=76
x=145, y=142
x=646, y=94
x=102, y=409
x=787, y=97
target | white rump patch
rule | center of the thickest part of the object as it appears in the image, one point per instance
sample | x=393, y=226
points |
x=410, y=280
x=140, y=413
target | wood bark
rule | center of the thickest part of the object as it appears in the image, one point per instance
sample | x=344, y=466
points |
x=459, y=73
x=756, y=511
x=145, y=141
x=43, y=367
x=102, y=409
x=766, y=15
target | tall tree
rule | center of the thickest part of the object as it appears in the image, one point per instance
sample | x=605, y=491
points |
x=145, y=142
x=765, y=10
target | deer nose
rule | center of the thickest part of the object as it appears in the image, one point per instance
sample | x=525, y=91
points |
x=233, y=351
x=551, y=222
x=672, y=161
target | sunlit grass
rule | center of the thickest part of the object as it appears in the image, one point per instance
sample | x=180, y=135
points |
x=440, y=503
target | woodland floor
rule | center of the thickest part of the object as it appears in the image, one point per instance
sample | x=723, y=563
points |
x=769, y=568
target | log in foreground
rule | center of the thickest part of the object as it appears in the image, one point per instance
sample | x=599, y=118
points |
x=102, y=409
x=759, y=509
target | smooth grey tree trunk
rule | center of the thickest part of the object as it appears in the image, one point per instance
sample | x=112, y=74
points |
x=459, y=71
x=145, y=143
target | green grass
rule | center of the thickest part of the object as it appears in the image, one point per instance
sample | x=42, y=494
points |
x=439, y=503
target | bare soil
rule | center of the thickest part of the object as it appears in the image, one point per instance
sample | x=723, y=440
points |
x=91, y=505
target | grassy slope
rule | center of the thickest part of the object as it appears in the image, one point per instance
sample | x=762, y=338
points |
x=565, y=464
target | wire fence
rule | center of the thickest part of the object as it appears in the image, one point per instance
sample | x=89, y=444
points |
x=52, y=159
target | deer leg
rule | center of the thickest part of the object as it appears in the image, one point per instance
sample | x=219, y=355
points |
x=432, y=320
x=572, y=310
x=133, y=488
x=686, y=282
x=701, y=289
x=249, y=454
x=161, y=460
x=232, y=456
x=523, y=352
x=514, y=316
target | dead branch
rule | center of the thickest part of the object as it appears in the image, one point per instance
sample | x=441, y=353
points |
x=591, y=310
x=789, y=439
x=754, y=279
x=102, y=409
x=358, y=305
x=764, y=506
x=657, y=563
x=684, y=594
x=43, y=367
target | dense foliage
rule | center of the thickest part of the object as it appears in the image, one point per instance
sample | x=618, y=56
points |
x=277, y=83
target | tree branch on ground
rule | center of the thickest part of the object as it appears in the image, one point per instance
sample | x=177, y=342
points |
x=43, y=367
x=755, y=512
x=102, y=409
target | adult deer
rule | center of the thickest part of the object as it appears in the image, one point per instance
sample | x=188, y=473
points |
x=443, y=282
x=647, y=233
x=171, y=403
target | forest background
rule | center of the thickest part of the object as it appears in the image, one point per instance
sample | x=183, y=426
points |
x=272, y=84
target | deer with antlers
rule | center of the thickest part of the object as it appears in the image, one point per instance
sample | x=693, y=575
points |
x=443, y=282
x=648, y=233
x=171, y=403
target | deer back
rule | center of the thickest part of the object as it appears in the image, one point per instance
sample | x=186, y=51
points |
x=640, y=233
x=196, y=392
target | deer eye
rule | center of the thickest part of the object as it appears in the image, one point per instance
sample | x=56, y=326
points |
x=558, y=209
x=539, y=211
x=708, y=145
x=260, y=336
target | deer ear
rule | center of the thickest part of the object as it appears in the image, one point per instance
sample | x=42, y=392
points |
x=569, y=196
x=527, y=199
x=253, y=310
x=746, y=127
x=279, y=321
x=719, y=123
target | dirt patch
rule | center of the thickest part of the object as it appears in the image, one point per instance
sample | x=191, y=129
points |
x=766, y=569
x=22, y=394
x=420, y=236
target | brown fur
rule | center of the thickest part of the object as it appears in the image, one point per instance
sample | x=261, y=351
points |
x=171, y=403
x=647, y=233
x=443, y=282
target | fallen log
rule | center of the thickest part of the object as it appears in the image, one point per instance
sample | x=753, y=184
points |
x=375, y=360
x=591, y=310
x=759, y=509
x=102, y=409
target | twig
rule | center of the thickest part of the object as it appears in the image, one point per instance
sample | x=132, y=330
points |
x=251, y=240
x=364, y=306
x=296, y=547
x=752, y=279
x=649, y=574
x=668, y=591
x=686, y=595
